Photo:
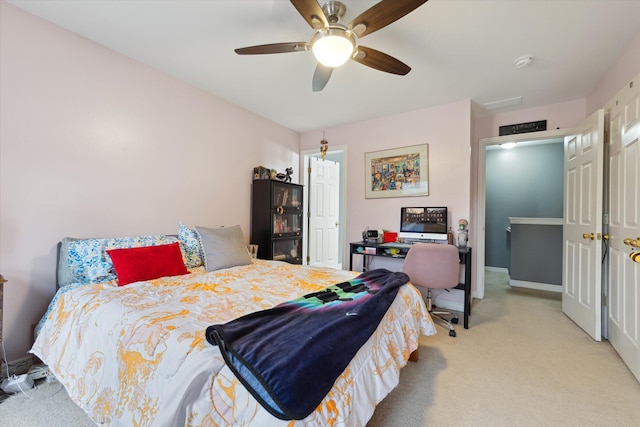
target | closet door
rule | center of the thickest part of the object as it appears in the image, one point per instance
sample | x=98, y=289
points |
x=582, y=231
x=624, y=223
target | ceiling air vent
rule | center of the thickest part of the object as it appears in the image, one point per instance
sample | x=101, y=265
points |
x=503, y=103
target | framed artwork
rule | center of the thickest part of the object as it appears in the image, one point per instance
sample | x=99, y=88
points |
x=398, y=172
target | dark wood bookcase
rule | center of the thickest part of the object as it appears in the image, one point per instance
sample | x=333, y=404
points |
x=276, y=220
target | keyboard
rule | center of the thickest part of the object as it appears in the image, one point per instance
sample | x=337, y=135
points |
x=396, y=245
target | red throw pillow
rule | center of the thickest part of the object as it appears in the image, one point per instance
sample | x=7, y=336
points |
x=147, y=262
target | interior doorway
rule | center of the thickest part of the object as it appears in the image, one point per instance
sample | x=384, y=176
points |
x=310, y=242
x=484, y=143
x=524, y=210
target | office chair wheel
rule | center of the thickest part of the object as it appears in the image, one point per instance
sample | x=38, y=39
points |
x=454, y=320
x=452, y=333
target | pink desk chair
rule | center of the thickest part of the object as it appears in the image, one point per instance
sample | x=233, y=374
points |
x=434, y=266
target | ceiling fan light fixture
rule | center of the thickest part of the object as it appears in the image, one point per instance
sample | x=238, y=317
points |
x=333, y=46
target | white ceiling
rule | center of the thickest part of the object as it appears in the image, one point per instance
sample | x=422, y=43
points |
x=457, y=49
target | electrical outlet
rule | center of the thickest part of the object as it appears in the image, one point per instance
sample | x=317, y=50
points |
x=16, y=384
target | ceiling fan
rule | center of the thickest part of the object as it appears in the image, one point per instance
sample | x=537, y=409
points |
x=333, y=43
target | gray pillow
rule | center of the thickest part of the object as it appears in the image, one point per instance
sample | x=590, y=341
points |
x=223, y=247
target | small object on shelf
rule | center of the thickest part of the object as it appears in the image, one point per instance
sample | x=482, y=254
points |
x=393, y=251
x=253, y=250
x=450, y=236
x=463, y=234
x=462, y=238
x=389, y=236
x=286, y=176
x=260, y=172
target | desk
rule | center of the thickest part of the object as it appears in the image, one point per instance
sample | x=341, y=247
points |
x=382, y=250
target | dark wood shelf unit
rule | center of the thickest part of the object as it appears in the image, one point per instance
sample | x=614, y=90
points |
x=276, y=220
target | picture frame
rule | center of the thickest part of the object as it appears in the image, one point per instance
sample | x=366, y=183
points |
x=397, y=172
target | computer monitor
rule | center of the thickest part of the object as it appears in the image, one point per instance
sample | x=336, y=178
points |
x=423, y=223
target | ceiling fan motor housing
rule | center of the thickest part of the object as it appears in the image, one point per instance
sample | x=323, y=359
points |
x=334, y=10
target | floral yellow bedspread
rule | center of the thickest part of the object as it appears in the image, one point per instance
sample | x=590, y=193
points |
x=137, y=355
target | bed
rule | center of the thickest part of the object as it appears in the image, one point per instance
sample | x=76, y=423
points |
x=137, y=354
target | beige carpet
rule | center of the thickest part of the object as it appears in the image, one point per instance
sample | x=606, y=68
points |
x=522, y=363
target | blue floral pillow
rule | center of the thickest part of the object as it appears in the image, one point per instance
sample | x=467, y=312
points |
x=90, y=263
x=192, y=251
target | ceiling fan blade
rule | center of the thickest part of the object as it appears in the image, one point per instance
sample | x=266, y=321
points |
x=311, y=12
x=272, y=48
x=321, y=77
x=382, y=14
x=380, y=61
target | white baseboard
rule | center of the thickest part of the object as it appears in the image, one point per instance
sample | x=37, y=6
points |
x=497, y=269
x=449, y=305
x=535, y=285
x=452, y=300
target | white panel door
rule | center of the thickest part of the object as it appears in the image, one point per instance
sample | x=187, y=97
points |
x=324, y=212
x=624, y=223
x=582, y=230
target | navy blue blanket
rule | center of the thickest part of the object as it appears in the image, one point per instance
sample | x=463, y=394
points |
x=289, y=356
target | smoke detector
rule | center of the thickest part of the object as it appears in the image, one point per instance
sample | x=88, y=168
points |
x=523, y=61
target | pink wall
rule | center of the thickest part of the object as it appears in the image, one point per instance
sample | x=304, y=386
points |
x=620, y=73
x=447, y=131
x=95, y=144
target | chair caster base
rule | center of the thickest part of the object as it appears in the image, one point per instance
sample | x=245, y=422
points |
x=452, y=333
x=454, y=320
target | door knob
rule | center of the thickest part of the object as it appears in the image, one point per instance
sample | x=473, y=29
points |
x=634, y=243
x=337, y=223
x=590, y=236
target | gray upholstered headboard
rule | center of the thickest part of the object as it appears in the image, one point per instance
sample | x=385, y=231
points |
x=63, y=273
